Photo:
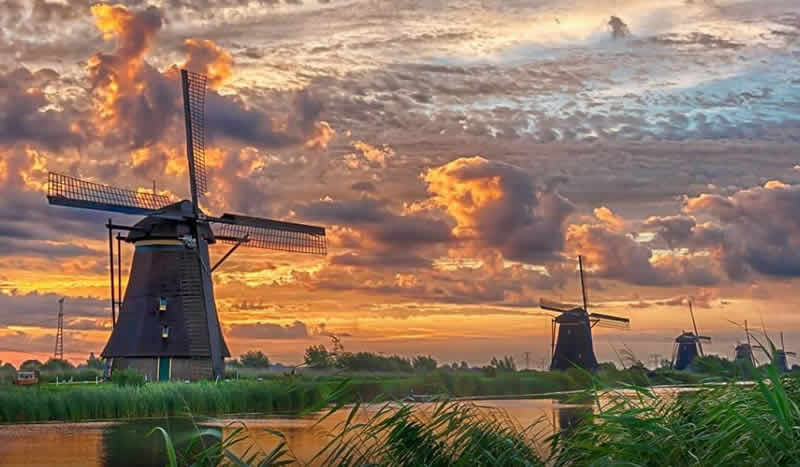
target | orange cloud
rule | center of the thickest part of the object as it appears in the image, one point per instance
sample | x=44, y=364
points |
x=322, y=134
x=498, y=205
x=204, y=56
x=607, y=216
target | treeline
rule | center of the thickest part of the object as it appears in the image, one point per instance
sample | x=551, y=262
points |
x=55, y=368
x=319, y=357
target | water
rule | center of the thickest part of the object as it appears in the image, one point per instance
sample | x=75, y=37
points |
x=122, y=444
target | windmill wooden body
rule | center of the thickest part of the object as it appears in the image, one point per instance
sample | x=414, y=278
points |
x=574, y=346
x=688, y=346
x=168, y=326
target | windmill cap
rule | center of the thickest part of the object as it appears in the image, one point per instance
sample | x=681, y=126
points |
x=174, y=221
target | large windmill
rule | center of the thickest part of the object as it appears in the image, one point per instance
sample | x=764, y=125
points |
x=168, y=327
x=688, y=345
x=574, y=345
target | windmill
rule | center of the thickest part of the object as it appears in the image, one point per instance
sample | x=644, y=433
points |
x=168, y=327
x=744, y=350
x=688, y=345
x=780, y=357
x=575, y=323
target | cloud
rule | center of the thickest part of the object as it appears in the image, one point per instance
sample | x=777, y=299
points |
x=296, y=330
x=40, y=310
x=757, y=228
x=26, y=114
x=613, y=254
x=204, y=56
x=497, y=205
x=380, y=228
x=136, y=104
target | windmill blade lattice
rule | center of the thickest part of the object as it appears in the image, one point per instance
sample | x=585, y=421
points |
x=194, y=94
x=64, y=190
x=270, y=234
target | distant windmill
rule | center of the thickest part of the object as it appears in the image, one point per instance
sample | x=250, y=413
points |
x=168, y=327
x=58, y=353
x=744, y=350
x=575, y=323
x=780, y=357
x=688, y=345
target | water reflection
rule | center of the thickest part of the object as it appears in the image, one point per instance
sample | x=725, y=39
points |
x=135, y=444
x=570, y=417
x=126, y=444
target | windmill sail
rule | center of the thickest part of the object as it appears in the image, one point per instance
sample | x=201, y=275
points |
x=609, y=321
x=64, y=190
x=270, y=234
x=194, y=93
x=551, y=305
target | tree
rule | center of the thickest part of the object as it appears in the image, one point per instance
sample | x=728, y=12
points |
x=423, y=363
x=504, y=364
x=317, y=356
x=56, y=364
x=30, y=365
x=254, y=359
x=95, y=363
x=464, y=365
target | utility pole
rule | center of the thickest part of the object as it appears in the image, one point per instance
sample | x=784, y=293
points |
x=58, y=353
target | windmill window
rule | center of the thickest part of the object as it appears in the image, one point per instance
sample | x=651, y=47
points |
x=164, y=331
x=162, y=304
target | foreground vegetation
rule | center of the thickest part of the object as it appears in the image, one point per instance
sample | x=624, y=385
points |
x=129, y=397
x=728, y=425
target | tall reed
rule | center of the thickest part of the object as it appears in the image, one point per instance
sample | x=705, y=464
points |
x=109, y=401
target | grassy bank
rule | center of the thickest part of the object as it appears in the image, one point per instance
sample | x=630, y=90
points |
x=277, y=393
x=109, y=401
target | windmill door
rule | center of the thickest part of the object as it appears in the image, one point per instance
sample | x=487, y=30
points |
x=163, y=368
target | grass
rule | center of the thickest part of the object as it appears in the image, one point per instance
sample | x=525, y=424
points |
x=730, y=425
x=108, y=401
x=77, y=402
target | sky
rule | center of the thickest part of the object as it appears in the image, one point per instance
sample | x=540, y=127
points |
x=461, y=155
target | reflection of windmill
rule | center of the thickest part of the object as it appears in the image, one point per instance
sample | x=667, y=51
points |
x=168, y=326
x=574, y=345
x=688, y=345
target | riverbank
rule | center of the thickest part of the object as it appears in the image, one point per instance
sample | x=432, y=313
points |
x=299, y=393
